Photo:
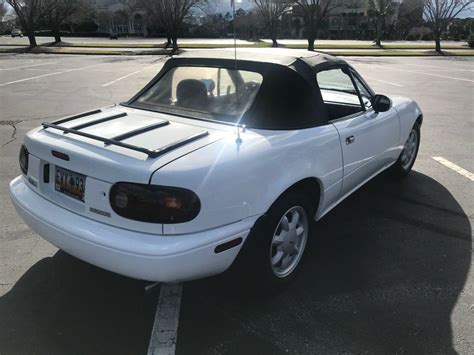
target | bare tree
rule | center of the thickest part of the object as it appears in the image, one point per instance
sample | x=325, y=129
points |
x=439, y=13
x=171, y=15
x=29, y=12
x=61, y=11
x=314, y=12
x=271, y=12
x=3, y=9
x=380, y=9
x=410, y=15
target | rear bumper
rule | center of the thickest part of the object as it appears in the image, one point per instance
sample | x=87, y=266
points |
x=171, y=258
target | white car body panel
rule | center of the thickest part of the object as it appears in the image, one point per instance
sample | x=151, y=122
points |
x=258, y=170
x=236, y=180
x=130, y=253
x=375, y=137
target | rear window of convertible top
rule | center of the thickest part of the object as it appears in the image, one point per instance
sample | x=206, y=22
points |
x=219, y=93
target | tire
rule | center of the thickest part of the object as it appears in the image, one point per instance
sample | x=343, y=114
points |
x=271, y=257
x=407, y=157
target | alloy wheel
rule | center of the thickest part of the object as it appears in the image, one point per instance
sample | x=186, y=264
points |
x=289, y=241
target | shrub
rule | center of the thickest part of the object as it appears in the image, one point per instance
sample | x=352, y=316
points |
x=427, y=37
x=470, y=42
x=412, y=37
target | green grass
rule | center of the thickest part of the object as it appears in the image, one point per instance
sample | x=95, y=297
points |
x=259, y=45
x=371, y=47
x=384, y=53
x=423, y=46
x=111, y=45
x=157, y=50
x=461, y=52
x=211, y=46
x=318, y=46
x=66, y=50
x=377, y=53
x=330, y=46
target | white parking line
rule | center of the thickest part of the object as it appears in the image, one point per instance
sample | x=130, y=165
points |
x=28, y=66
x=455, y=167
x=126, y=76
x=451, y=68
x=50, y=74
x=165, y=328
x=383, y=81
x=431, y=74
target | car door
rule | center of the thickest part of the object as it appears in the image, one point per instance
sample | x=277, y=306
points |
x=366, y=137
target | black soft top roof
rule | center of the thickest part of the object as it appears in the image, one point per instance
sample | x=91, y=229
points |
x=289, y=97
x=282, y=56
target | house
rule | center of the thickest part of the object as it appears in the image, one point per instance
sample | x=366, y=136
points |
x=120, y=17
x=347, y=19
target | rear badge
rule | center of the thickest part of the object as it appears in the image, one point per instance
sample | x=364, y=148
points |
x=60, y=155
x=102, y=213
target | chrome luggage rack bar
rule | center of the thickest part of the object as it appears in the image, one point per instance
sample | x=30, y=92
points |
x=117, y=140
x=83, y=114
x=100, y=120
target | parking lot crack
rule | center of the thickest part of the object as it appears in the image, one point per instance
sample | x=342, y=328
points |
x=12, y=124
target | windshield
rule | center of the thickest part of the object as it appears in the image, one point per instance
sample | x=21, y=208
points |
x=220, y=94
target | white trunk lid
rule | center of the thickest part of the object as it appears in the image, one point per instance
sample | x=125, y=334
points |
x=104, y=164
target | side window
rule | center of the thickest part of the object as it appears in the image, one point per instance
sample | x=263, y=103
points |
x=339, y=94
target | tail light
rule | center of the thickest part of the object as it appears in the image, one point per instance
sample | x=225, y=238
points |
x=153, y=203
x=24, y=159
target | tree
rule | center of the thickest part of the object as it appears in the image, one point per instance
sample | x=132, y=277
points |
x=313, y=13
x=439, y=13
x=271, y=12
x=3, y=12
x=3, y=9
x=171, y=15
x=214, y=25
x=460, y=29
x=380, y=9
x=247, y=24
x=61, y=12
x=410, y=15
x=29, y=12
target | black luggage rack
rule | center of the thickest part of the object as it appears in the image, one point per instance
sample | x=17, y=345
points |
x=117, y=140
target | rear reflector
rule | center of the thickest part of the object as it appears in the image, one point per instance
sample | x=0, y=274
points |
x=228, y=245
x=46, y=174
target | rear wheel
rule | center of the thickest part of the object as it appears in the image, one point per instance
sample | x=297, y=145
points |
x=276, y=245
x=407, y=158
x=289, y=241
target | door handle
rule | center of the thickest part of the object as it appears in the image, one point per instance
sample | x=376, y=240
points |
x=350, y=140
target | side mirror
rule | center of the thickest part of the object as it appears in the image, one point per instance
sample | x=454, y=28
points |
x=381, y=103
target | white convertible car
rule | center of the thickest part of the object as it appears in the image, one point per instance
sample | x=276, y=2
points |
x=214, y=160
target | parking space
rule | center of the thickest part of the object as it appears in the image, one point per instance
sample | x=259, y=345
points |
x=388, y=271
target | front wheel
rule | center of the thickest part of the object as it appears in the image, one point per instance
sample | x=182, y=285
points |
x=407, y=158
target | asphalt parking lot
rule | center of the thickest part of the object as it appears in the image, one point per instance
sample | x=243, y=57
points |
x=388, y=271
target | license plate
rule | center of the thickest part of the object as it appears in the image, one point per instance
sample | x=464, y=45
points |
x=70, y=183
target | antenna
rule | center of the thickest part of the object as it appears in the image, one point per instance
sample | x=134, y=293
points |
x=232, y=3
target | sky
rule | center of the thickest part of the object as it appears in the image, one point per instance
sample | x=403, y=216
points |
x=223, y=6
x=467, y=13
